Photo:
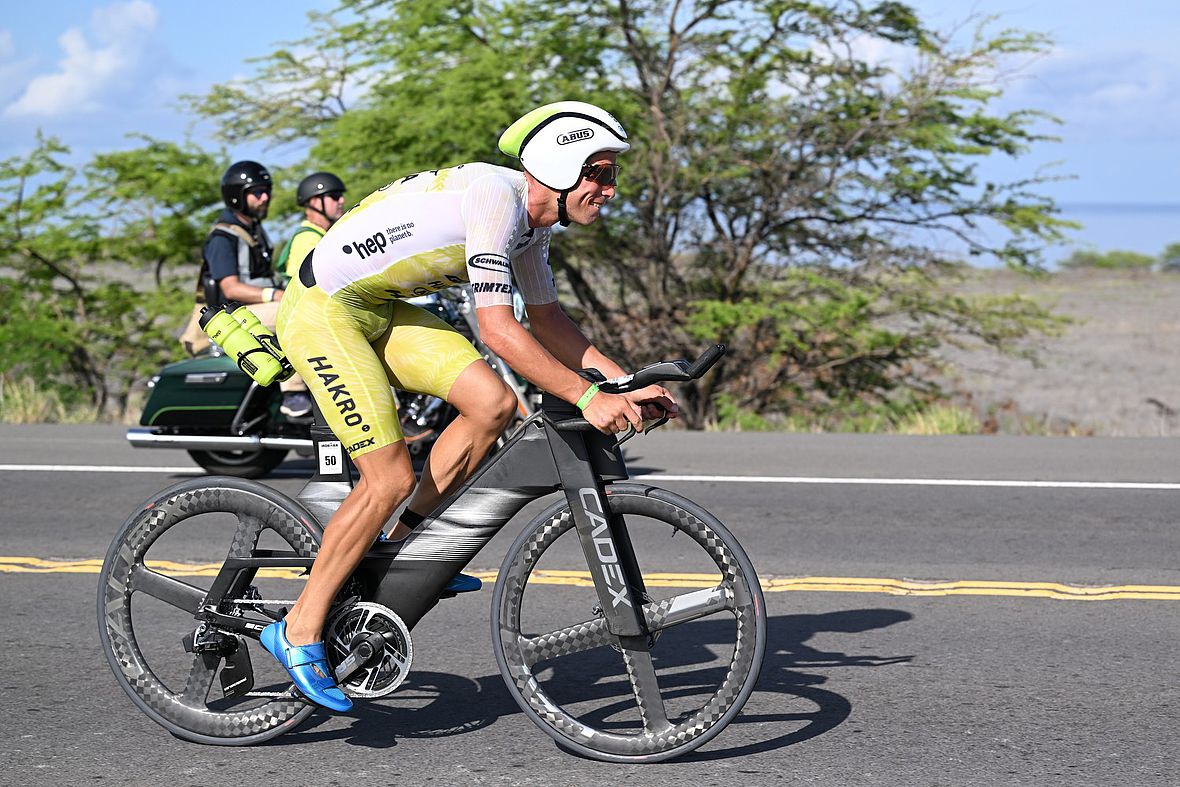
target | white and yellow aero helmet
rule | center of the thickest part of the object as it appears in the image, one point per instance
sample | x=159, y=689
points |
x=554, y=141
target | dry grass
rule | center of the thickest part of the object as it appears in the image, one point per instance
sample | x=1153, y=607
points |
x=22, y=401
x=1115, y=371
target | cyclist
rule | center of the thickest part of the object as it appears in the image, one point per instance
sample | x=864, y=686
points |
x=348, y=330
x=321, y=195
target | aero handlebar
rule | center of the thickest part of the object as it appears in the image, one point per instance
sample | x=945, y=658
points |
x=661, y=372
x=665, y=372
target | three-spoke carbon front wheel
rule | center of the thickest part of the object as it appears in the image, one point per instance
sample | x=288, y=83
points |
x=649, y=701
x=157, y=577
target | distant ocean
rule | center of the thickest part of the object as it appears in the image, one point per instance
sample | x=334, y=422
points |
x=1143, y=228
x=1146, y=229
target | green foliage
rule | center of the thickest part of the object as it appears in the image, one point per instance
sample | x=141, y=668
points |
x=941, y=420
x=99, y=266
x=784, y=194
x=1169, y=258
x=780, y=194
x=1116, y=260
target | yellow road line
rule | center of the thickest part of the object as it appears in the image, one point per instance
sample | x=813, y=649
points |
x=895, y=587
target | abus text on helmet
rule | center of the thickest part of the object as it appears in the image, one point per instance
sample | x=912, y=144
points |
x=575, y=136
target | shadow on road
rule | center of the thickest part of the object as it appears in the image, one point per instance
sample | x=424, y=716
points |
x=784, y=680
x=439, y=705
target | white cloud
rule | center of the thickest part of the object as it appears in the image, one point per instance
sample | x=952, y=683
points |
x=1105, y=95
x=876, y=51
x=88, y=73
x=14, y=71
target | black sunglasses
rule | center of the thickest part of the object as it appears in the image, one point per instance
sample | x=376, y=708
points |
x=602, y=174
x=258, y=191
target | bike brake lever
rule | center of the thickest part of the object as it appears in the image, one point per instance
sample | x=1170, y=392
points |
x=657, y=423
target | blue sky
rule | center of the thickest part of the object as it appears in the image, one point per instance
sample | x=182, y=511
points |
x=91, y=72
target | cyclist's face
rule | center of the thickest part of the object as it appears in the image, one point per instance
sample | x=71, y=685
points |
x=585, y=202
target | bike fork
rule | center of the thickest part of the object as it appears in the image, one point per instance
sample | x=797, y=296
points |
x=612, y=563
x=621, y=595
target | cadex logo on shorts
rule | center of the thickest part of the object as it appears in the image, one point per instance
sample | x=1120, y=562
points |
x=575, y=136
x=371, y=245
x=340, y=395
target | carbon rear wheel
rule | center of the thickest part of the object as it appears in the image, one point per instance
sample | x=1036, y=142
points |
x=572, y=677
x=158, y=574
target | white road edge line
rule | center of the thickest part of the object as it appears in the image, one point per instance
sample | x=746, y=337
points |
x=101, y=469
x=770, y=479
x=725, y=479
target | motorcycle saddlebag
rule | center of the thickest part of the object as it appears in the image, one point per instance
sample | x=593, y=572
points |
x=203, y=393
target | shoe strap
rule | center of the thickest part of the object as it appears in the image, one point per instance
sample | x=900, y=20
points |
x=302, y=655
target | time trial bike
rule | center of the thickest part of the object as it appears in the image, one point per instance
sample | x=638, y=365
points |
x=627, y=621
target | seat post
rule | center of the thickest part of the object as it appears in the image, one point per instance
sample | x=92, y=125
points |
x=332, y=482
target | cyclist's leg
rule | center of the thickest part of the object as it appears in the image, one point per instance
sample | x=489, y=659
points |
x=424, y=354
x=386, y=480
x=485, y=406
x=329, y=346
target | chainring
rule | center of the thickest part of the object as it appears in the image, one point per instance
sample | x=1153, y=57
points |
x=386, y=670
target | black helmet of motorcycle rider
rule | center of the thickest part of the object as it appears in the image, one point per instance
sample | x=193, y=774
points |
x=240, y=178
x=315, y=185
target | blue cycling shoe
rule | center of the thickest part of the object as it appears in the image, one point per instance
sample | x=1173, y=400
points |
x=463, y=583
x=308, y=667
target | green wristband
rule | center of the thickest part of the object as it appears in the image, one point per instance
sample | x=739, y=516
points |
x=586, y=397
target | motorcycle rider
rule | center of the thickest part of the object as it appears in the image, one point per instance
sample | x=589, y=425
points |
x=321, y=195
x=347, y=328
x=237, y=263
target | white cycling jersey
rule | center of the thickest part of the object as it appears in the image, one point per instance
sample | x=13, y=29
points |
x=436, y=229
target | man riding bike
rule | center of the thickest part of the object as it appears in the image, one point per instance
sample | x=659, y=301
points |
x=348, y=331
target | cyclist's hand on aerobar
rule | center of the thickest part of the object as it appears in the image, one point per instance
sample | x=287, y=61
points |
x=654, y=402
x=611, y=413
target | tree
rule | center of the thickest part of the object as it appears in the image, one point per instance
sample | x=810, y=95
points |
x=1115, y=259
x=83, y=319
x=782, y=193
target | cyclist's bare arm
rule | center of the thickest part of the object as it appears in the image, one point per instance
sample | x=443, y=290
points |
x=528, y=356
x=560, y=336
x=557, y=332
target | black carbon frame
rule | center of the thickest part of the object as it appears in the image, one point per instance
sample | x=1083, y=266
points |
x=409, y=577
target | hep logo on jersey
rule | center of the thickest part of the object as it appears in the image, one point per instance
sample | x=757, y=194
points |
x=370, y=245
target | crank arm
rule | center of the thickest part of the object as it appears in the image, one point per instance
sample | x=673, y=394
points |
x=359, y=656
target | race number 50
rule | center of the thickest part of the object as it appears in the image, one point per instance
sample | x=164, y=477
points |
x=331, y=457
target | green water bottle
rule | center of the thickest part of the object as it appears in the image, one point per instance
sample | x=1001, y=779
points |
x=241, y=345
x=265, y=336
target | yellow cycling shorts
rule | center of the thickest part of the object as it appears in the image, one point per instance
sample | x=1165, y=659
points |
x=349, y=353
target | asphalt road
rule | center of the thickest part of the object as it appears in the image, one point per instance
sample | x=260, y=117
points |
x=992, y=687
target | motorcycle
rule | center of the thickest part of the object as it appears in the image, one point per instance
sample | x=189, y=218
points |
x=231, y=425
